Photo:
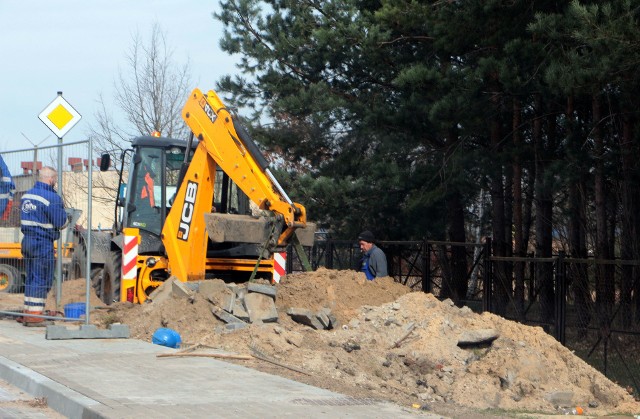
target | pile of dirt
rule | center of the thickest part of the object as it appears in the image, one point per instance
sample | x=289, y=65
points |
x=392, y=344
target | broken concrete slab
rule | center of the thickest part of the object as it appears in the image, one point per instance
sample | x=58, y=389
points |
x=262, y=289
x=305, y=316
x=224, y=316
x=334, y=321
x=219, y=294
x=324, y=319
x=477, y=337
x=211, y=286
x=87, y=331
x=193, y=285
x=235, y=326
x=241, y=291
x=261, y=307
x=180, y=290
x=163, y=292
x=240, y=311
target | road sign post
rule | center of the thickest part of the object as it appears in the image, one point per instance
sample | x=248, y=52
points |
x=59, y=116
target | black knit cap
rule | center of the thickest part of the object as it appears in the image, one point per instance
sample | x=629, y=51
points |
x=367, y=236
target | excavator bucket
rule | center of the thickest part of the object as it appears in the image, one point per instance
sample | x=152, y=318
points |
x=307, y=235
x=247, y=229
x=237, y=228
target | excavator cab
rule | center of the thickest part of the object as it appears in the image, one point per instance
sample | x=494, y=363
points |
x=151, y=187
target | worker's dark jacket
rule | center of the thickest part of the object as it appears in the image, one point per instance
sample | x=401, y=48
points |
x=374, y=263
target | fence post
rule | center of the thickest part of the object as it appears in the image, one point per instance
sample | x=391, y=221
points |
x=426, y=267
x=561, y=300
x=289, y=262
x=329, y=254
x=487, y=280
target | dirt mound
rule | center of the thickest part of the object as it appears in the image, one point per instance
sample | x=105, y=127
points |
x=395, y=345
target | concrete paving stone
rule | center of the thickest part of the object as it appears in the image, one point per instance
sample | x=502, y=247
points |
x=88, y=331
x=235, y=326
x=262, y=289
x=224, y=316
x=261, y=307
x=20, y=413
x=180, y=290
x=6, y=396
x=305, y=316
x=239, y=310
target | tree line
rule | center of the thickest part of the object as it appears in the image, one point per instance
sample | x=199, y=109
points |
x=442, y=119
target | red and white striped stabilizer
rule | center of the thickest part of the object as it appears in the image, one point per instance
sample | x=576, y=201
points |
x=129, y=256
x=279, y=266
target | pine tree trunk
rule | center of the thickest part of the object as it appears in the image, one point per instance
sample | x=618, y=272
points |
x=629, y=221
x=543, y=220
x=501, y=283
x=579, y=275
x=518, y=234
x=458, y=262
x=603, y=300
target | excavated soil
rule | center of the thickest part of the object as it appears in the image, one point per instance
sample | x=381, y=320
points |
x=389, y=344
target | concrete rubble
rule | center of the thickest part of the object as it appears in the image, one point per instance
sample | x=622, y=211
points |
x=238, y=305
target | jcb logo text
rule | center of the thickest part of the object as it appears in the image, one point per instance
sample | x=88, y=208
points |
x=187, y=211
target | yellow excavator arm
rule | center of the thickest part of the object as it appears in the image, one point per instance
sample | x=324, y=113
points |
x=224, y=144
x=237, y=155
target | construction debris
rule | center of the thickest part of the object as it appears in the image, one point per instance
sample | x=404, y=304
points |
x=391, y=343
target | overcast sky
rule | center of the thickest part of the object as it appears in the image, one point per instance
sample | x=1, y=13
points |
x=77, y=47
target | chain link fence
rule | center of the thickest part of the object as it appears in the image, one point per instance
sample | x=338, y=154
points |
x=39, y=226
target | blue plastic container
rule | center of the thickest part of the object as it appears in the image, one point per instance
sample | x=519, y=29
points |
x=74, y=311
x=166, y=337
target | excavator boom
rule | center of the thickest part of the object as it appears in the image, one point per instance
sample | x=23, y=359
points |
x=233, y=150
x=224, y=144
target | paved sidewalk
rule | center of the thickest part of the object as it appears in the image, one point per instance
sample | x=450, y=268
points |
x=123, y=378
x=16, y=404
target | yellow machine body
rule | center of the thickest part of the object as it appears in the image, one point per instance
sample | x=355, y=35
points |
x=185, y=232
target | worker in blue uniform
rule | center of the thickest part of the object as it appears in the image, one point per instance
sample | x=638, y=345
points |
x=42, y=217
x=7, y=189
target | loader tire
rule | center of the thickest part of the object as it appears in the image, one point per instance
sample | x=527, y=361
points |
x=110, y=280
x=78, y=263
x=78, y=268
x=10, y=279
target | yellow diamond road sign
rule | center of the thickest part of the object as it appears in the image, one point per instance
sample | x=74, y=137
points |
x=59, y=116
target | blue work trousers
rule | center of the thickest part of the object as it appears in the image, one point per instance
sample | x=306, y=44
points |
x=39, y=261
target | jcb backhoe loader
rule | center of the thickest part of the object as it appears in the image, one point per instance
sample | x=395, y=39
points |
x=186, y=211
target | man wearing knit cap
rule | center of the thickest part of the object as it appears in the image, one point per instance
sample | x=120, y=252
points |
x=374, y=262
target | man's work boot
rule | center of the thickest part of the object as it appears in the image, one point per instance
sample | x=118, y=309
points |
x=30, y=321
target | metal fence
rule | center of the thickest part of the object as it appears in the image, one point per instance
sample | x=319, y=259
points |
x=590, y=306
x=33, y=264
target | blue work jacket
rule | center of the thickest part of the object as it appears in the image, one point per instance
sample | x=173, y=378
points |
x=42, y=213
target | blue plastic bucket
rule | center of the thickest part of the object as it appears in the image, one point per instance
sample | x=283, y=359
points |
x=74, y=310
